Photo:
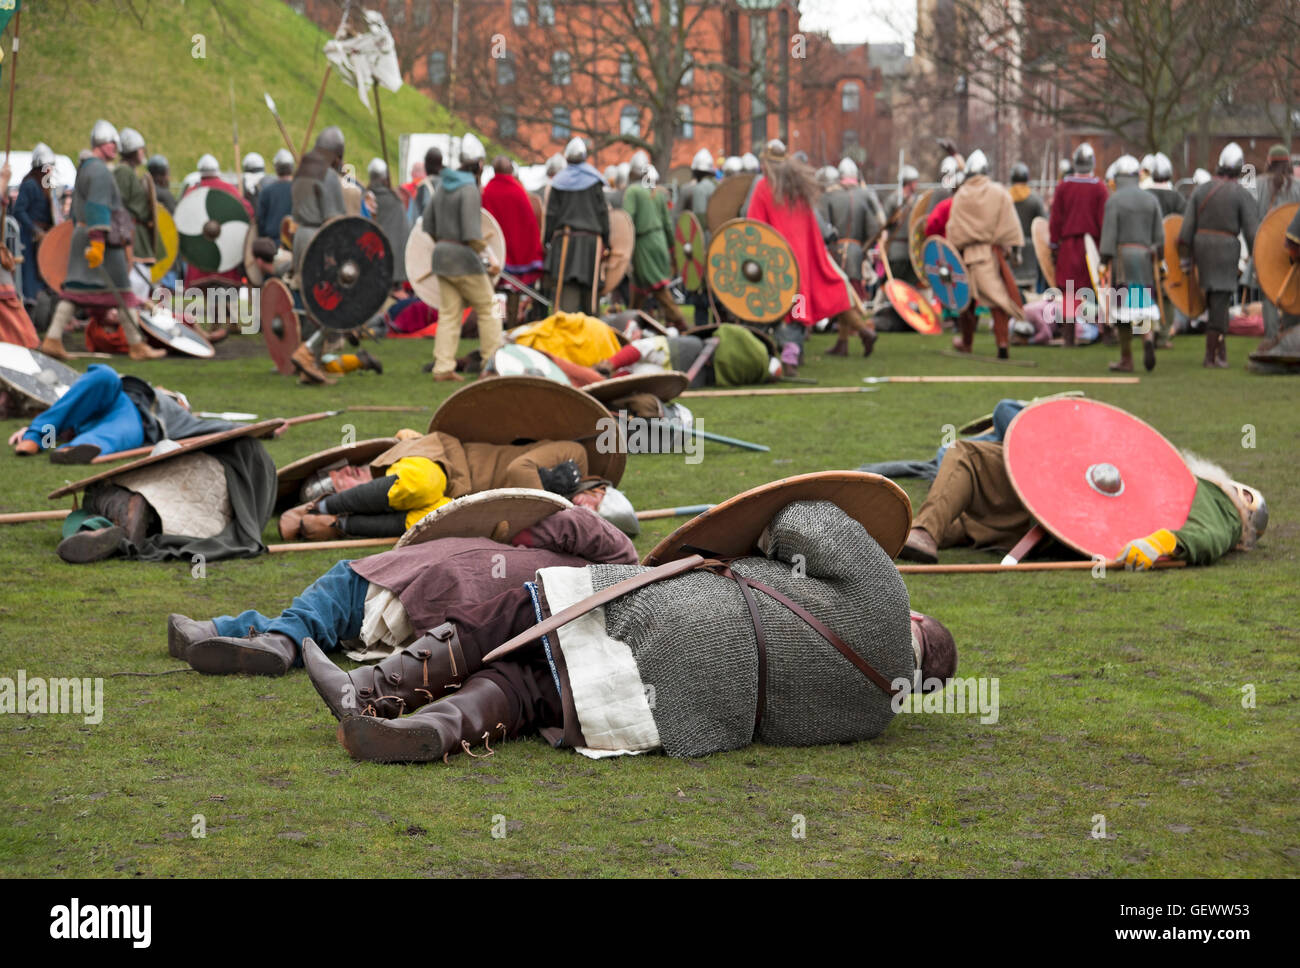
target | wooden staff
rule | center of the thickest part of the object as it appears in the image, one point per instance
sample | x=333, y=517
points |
x=1026, y=566
x=774, y=391
x=379, y=113
x=384, y=409
x=13, y=76
x=1002, y=379
x=306, y=140
x=146, y=451
x=20, y=517
x=681, y=512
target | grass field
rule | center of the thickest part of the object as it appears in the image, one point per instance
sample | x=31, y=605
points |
x=1120, y=697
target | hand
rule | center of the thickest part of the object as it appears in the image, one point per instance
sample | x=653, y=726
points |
x=1185, y=265
x=493, y=267
x=17, y=436
x=1142, y=553
x=95, y=254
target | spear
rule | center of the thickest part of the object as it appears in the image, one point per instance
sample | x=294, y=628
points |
x=279, y=121
x=234, y=125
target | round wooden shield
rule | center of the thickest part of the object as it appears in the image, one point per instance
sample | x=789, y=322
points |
x=1279, y=277
x=1182, y=288
x=289, y=478
x=212, y=225
x=1041, y=233
x=494, y=237
x=752, y=271
x=52, y=256
x=727, y=199
x=622, y=240
x=666, y=386
x=173, y=333
x=732, y=528
x=264, y=428
x=346, y=273
x=916, y=233
x=34, y=376
x=1092, y=257
x=511, y=408
x=947, y=274
x=688, y=251
x=478, y=515
x=279, y=324
x=169, y=246
x=913, y=307
x=419, y=256
x=538, y=213
x=516, y=360
x=1095, y=476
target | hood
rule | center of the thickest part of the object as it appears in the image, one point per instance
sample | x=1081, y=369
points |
x=451, y=179
x=576, y=178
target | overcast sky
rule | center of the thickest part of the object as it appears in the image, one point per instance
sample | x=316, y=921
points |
x=855, y=21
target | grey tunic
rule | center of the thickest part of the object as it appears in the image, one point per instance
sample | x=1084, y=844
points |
x=94, y=199
x=1171, y=201
x=455, y=220
x=1217, y=213
x=1027, y=209
x=852, y=213
x=1131, y=233
x=695, y=198
x=390, y=215
x=316, y=200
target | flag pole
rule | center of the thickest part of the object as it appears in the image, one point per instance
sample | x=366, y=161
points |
x=13, y=76
x=379, y=113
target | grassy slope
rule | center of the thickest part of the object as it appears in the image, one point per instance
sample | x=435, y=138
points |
x=1119, y=696
x=182, y=104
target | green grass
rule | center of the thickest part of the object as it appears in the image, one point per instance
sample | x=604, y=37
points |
x=1119, y=696
x=181, y=103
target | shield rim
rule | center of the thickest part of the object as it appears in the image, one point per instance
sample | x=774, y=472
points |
x=52, y=256
x=464, y=415
x=169, y=240
x=891, y=286
x=291, y=475
x=885, y=505
x=726, y=298
x=1183, y=289
x=667, y=386
x=614, y=269
x=564, y=380
x=44, y=361
x=263, y=428
x=536, y=505
x=1011, y=474
x=716, y=216
x=692, y=260
x=948, y=247
x=144, y=319
x=283, y=366
x=915, y=252
x=304, y=283
x=1271, y=260
x=1040, y=233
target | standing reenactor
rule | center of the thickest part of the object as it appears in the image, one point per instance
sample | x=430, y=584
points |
x=853, y=212
x=695, y=196
x=577, y=231
x=454, y=218
x=652, y=263
x=1132, y=237
x=1171, y=202
x=898, y=212
x=139, y=201
x=1278, y=188
x=275, y=197
x=1078, y=208
x=35, y=211
x=1029, y=206
x=1218, y=212
x=160, y=171
x=389, y=215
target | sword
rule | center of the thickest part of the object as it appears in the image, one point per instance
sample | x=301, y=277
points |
x=526, y=289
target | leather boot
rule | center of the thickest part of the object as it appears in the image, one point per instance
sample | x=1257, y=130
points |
x=290, y=524
x=320, y=527
x=841, y=347
x=1149, y=352
x=182, y=632
x=428, y=669
x=78, y=454
x=1211, y=348
x=1125, y=364
x=309, y=370
x=54, y=348
x=86, y=546
x=271, y=654
x=1221, y=352
x=920, y=546
x=143, y=351
x=127, y=509
x=478, y=713
x=868, y=338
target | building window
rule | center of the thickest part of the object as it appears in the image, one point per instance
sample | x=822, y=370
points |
x=642, y=15
x=506, y=70
x=437, y=68
x=626, y=69
x=423, y=13
x=849, y=144
x=507, y=122
x=629, y=121
x=560, y=127
x=685, y=122
x=850, y=98
x=519, y=12
x=546, y=13
x=560, y=62
x=688, y=75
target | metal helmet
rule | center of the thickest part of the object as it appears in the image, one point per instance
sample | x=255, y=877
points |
x=471, y=149
x=1254, y=511
x=611, y=175
x=624, y=173
x=908, y=174
x=949, y=167
x=618, y=511
x=331, y=140
x=848, y=169
x=130, y=140
x=575, y=152
x=378, y=168
x=639, y=165
x=1085, y=159
x=1149, y=163
x=42, y=155
x=253, y=162
x=208, y=165
x=652, y=177
x=703, y=161
x=554, y=164
x=1063, y=167
x=283, y=161
x=827, y=176
x=1201, y=176
x=1231, y=157
x=1164, y=168
x=102, y=133
x=157, y=165
x=775, y=148
x=1110, y=172
x=1126, y=166
x=749, y=163
x=977, y=163
x=733, y=165
x=1019, y=173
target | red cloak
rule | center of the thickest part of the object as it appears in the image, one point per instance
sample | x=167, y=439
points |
x=1078, y=208
x=825, y=292
x=507, y=200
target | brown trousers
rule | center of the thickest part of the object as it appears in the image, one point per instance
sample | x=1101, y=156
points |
x=972, y=501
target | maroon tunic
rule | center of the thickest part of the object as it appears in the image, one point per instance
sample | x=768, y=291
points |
x=432, y=577
x=1078, y=209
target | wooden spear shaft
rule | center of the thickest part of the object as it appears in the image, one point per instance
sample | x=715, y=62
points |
x=774, y=391
x=320, y=95
x=21, y=517
x=1024, y=566
x=970, y=378
x=13, y=77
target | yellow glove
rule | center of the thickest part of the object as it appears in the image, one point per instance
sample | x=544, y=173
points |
x=95, y=254
x=1141, y=553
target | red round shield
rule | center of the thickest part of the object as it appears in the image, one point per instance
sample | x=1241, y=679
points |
x=913, y=307
x=1095, y=476
x=279, y=324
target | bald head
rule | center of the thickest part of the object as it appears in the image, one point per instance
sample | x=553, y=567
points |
x=502, y=165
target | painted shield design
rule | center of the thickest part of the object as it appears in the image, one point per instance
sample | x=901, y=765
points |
x=947, y=274
x=752, y=271
x=212, y=225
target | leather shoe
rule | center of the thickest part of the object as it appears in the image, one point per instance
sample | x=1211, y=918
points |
x=254, y=655
x=920, y=547
x=182, y=632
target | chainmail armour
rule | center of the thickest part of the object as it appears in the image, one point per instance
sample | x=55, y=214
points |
x=693, y=640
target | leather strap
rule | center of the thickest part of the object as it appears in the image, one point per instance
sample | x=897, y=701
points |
x=447, y=636
x=760, y=642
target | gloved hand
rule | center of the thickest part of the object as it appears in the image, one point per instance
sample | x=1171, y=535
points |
x=563, y=478
x=1141, y=553
x=95, y=253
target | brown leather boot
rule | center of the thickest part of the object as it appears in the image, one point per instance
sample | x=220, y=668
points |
x=920, y=546
x=83, y=547
x=309, y=370
x=271, y=654
x=143, y=351
x=428, y=669
x=54, y=348
x=127, y=509
x=320, y=527
x=479, y=712
x=1221, y=352
x=182, y=632
x=290, y=524
x=868, y=338
x=841, y=347
x=1211, y=348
